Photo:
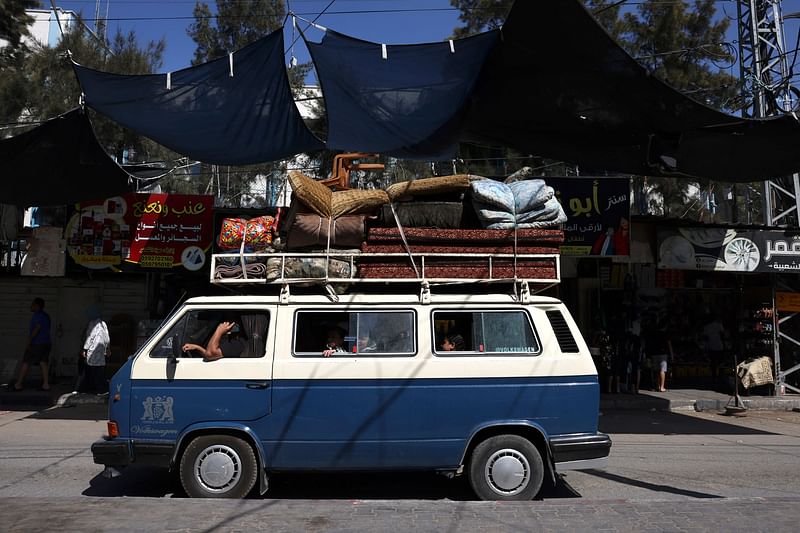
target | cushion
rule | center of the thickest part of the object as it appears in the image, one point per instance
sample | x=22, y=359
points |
x=256, y=232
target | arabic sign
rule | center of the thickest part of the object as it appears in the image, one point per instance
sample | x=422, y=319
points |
x=729, y=250
x=142, y=231
x=598, y=215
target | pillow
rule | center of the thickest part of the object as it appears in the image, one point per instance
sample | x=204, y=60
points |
x=530, y=194
x=436, y=185
x=256, y=232
x=311, y=193
x=494, y=193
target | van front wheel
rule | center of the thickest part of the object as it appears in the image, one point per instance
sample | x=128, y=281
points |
x=506, y=467
x=218, y=466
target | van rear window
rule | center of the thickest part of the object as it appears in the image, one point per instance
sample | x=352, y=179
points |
x=362, y=333
x=484, y=333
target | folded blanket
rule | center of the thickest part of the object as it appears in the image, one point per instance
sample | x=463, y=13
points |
x=499, y=205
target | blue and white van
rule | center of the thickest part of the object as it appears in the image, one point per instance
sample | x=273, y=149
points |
x=515, y=403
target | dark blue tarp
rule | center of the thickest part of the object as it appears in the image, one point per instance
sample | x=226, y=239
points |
x=410, y=104
x=57, y=163
x=579, y=97
x=207, y=114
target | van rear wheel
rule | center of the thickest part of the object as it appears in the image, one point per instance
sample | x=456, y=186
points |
x=218, y=466
x=506, y=467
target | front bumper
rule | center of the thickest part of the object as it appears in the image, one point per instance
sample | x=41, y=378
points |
x=580, y=452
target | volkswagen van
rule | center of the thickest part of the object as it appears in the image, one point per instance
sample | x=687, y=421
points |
x=513, y=406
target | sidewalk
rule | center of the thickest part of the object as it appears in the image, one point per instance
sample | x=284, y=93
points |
x=694, y=400
x=31, y=398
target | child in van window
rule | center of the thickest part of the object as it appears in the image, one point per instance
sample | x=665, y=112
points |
x=334, y=343
x=453, y=342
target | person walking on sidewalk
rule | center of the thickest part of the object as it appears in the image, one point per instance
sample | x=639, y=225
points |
x=37, y=349
x=95, y=350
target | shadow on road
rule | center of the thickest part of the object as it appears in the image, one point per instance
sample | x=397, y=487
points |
x=74, y=412
x=649, y=486
x=668, y=423
x=159, y=483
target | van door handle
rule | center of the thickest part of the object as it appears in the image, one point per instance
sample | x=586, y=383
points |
x=258, y=385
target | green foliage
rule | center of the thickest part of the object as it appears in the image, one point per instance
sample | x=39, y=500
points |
x=235, y=25
x=483, y=15
x=683, y=46
x=14, y=21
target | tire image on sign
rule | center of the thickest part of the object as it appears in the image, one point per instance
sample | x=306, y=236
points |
x=506, y=467
x=742, y=255
x=218, y=466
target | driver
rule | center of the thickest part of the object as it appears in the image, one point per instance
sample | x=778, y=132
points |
x=223, y=343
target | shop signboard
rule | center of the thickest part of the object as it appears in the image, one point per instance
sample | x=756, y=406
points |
x=598, y=215
x=730, y=250
x=142, y=231
x=788, y=302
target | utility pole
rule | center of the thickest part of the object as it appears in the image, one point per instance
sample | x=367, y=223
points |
x=766, y=92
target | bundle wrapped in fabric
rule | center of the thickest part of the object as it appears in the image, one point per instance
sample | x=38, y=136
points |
x=255, y=233
x=310, y=229
x=524, y=204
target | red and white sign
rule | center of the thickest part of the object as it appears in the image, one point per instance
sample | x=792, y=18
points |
x=151, y=231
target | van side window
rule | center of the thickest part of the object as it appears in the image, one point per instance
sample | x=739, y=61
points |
x=483, y=333
x=247, y=338
x=362, y=333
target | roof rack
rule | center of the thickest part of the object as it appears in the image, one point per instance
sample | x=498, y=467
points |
x=353, y=267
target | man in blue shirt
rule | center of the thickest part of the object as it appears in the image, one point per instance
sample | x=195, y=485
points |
x=37, y=349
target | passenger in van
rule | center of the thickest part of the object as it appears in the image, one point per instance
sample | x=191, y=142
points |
x=453, y=342
x=366, y=345
x=225, y=342
x=334, y=343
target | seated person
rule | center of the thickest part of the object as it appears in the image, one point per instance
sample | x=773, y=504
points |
x=453, y=342
x=223, y=343
x=366, y=345
x=334, y=343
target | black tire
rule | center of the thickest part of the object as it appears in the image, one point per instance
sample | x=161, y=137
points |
x=506, y=467
x=218, y=466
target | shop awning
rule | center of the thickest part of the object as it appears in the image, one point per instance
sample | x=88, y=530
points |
x=405, y=101
x=236, y=110
x=578, y=96
x=57, y=163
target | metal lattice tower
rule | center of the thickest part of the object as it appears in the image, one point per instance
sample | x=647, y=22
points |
x=766, y=92
x=763, y=65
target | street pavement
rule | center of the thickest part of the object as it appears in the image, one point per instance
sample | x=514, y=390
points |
x=670, y=470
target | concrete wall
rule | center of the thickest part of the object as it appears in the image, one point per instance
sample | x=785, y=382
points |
x=66, y=301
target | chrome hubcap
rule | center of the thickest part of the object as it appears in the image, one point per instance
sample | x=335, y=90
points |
x=507, y=472
x=218, y=468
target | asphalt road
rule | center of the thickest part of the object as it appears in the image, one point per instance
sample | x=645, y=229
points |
x=668, y=472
